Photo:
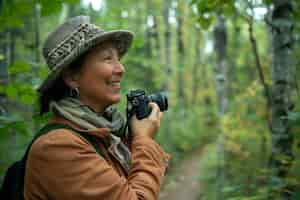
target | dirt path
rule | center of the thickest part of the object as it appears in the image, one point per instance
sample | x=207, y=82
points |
x=182, y=182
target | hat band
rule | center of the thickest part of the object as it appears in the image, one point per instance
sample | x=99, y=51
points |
x=76, y=39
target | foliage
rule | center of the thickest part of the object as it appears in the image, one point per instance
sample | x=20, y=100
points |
x=245, y=130
x=247, y=148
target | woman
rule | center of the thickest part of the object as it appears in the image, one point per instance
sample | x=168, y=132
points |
x=84, y=82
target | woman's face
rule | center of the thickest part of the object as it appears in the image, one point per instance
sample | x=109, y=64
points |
x=100, y=76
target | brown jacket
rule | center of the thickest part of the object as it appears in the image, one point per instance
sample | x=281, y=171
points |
x=64, y=166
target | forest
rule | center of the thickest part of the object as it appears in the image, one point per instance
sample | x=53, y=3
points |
x=229, y=68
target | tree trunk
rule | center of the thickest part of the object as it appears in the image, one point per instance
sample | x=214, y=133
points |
x=37, y=33
x=12, y=49
x=181, y=55
x=148, y=30
x=10, y=61
x=3, y=72
x=281, y=24
x=148, y=80
x=139, y=20
x=37, y=52
x=220, y=36
x=157, y=47
x=196, y=67
x=232, y=75
x=167, y=40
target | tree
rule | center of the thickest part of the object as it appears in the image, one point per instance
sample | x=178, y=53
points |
x=196, y=66
x=220, y=37
x=181, y=54
x=281, y=25
x=167, y=41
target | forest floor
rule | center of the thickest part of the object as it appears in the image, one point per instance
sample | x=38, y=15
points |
x=182, y=182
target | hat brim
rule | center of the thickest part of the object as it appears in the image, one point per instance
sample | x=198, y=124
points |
x=122, y=39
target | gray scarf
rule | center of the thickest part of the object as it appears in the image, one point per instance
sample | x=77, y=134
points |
x=82, y=115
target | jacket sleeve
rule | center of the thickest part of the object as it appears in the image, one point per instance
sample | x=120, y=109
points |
x=64, y=166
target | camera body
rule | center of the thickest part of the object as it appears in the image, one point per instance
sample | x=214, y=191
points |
x=137, y=103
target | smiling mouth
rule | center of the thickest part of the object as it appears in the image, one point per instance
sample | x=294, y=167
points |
x=115, y=83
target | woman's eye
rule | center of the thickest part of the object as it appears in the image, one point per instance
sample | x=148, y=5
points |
x=107, y=58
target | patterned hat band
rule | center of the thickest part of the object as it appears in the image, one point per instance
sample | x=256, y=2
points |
x=75, y=40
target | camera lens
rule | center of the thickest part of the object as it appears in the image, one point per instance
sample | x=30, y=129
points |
x=161, y=99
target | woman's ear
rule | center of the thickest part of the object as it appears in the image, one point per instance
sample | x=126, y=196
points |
x=71, y=79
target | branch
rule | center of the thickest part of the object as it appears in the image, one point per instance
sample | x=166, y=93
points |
x=258, y=64
x=249, y=19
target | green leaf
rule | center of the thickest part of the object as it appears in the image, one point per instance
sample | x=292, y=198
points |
x=19, y=67
x=27, y=99
x=230, y=189
x=21, y=127
x=228, y=9
x=212, y=4
x=202, y=8
x=43, y=72
x=268, y=2
x=293, y=118
x=2, y=89
x=296, y=195
x=191, y=2
x=9, y=119
x=50, y=8
x=206, y=22
x=11, y=91
x=72, y=1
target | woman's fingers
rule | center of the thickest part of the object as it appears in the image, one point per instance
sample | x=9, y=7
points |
x=155, y=111
x=147, y=126
x=160, y=115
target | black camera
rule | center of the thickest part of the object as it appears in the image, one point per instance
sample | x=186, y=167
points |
x=137, y=103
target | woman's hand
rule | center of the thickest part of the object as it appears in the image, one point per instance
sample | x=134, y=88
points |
x=147, y=126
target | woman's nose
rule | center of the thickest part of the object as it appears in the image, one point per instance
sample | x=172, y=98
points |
x=119, y=68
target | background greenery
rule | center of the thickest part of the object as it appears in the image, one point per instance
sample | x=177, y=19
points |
x=178, y=56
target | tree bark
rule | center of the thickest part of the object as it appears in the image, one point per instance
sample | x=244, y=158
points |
x=4, y=78
x=281, y=25
x=196, y=67
x=220, y=37
x=181, y=55
x=37, y=33
x=148, y=30
x=3, y=61
x=148, y=81
x=232, y=75
x=12, y=47
x=157, y=47
x=220, y=34
x=139, y=20
x=167, y=41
